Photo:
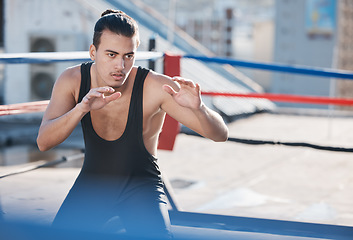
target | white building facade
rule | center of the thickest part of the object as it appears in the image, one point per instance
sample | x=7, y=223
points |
x=42, y=26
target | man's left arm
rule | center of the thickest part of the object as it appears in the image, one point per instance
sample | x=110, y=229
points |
x=185, y=105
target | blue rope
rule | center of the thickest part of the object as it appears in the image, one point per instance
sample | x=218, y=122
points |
x=323, y=72
x=52, y=57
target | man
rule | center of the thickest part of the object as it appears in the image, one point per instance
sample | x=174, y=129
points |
x=122, y=109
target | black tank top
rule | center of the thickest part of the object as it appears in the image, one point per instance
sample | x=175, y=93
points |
x=125, y=159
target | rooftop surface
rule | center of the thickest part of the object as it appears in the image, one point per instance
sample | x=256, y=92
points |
x=262, y=181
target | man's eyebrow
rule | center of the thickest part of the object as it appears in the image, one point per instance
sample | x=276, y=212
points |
x=111, y=51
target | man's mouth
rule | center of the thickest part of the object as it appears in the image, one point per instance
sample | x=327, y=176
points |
x=117, y=76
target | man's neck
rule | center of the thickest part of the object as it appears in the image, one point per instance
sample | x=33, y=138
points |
x=97, y=82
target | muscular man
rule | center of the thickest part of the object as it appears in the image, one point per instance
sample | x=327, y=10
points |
x=122, y=109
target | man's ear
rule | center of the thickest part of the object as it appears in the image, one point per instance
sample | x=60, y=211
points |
x=92, y=52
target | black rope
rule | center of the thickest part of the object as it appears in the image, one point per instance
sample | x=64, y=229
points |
x=268, y=142
x=46, y=164
x=292, y=144
x=189, y=132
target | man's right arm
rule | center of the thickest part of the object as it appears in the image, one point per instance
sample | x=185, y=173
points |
x=63, y=113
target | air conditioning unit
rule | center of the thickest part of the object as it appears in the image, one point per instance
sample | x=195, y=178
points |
x=42, y=76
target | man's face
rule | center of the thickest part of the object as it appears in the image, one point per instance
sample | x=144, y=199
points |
x=114, y=58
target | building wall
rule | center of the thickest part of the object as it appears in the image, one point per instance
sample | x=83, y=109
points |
x=345, y=48
x=65, y=24
x=299, y=41
x=206, y=21
x=263, y=52
x=215, y=33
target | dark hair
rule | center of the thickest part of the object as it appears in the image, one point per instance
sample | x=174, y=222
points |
x=117, y=22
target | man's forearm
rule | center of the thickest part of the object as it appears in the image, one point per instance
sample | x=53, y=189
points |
x=54, y=131
x=212, y=124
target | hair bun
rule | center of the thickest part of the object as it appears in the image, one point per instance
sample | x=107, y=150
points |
x=109, y=11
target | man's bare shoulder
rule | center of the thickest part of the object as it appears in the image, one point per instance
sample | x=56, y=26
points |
x=153, y=90
x=71, y=74
x=156, y=79
x=69, y=82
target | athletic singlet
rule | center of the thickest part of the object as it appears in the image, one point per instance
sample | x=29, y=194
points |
x=118, y=178
x=127, y=156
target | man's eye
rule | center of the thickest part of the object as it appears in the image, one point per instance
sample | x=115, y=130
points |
x=129, y=56
x=111, y=54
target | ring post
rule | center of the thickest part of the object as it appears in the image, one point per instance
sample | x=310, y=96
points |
x=170, y=127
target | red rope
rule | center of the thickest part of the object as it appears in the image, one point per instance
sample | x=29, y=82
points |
x=40, y=106
x=20, y=108
x=286, y=98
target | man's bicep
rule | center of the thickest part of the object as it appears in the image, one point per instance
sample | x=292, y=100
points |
x=62, y=100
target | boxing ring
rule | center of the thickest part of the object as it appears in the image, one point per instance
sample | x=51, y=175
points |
x=195, y=225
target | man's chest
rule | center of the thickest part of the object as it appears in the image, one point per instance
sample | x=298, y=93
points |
x=111, y=121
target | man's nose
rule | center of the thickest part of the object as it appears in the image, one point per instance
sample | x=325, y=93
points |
x=119, y=63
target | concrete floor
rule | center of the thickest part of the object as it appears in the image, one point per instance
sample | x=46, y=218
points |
x=265, y=181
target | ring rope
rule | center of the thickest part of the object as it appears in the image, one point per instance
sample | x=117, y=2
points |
x=291, y=144
x=20, y=108
x=40, y=106
x=268, y=142
x=50, y=57
x=46, y=164
x=285, y=98
x=47, y=57
x=79, y=56
x=323, y=72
